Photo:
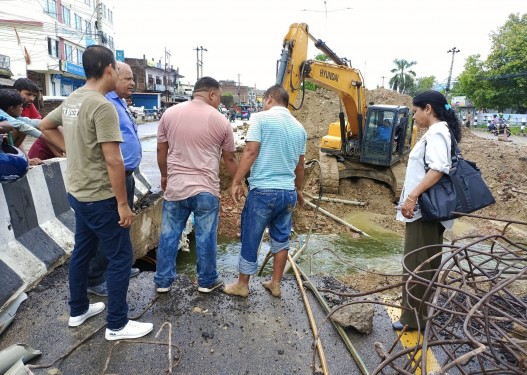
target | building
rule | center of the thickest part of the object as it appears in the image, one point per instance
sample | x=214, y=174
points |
x=44, y=40
x=152, y=76
x=239, y=93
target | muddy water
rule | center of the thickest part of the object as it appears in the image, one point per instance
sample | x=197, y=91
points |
x=325, y=254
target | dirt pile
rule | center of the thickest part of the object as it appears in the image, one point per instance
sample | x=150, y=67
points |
x=503, y=164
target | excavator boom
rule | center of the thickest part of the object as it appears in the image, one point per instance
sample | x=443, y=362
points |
x=370, y=135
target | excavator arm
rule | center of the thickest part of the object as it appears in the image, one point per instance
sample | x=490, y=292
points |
x=294, y=68
x=366, y=149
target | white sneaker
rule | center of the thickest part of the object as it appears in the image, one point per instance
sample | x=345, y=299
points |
x=132, y=330
x=94, y=309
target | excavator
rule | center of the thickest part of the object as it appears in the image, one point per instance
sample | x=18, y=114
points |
x=372, y=140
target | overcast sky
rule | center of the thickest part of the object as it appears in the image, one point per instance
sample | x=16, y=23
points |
x=244, y=37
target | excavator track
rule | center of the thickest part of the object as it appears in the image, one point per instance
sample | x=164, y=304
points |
x=332, y=171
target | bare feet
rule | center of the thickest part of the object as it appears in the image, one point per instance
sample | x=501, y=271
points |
x=273, y=288
x=236, y=289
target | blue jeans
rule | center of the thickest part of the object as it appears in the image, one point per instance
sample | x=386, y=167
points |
x=265, y=207
x=205, y=207
x=98, y=222
x=99, y=263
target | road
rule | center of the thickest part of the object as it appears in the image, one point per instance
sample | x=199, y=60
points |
x=215, y=334
x=514, y=138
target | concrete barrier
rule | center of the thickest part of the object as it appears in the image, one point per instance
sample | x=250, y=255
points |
x=37, y=227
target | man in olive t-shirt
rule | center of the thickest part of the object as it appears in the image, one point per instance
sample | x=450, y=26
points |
x=96, y=191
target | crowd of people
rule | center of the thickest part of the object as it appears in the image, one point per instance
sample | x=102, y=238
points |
x=98, y=135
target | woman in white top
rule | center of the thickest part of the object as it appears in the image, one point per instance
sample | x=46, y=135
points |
x=431, y=112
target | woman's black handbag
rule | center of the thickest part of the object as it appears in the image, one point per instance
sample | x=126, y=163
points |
x=462, y=190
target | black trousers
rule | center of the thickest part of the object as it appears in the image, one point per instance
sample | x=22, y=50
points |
x=417, y=235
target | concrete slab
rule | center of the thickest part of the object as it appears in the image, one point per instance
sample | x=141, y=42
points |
x=211, y=333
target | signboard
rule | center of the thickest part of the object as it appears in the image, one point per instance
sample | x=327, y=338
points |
x=151, y=63
x=4, y=62
x=460, y=101
x=119, y=55
x=90, y=41
x=71, y=68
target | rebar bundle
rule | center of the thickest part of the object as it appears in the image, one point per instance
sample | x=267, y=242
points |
x=476, y=310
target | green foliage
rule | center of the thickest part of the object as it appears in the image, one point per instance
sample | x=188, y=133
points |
x=403, y=80
x=500, y=81
x=310, y=86
x=227, y=93
x=420, y=85
x=321, y=57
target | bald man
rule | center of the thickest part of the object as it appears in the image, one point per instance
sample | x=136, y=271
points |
x=131, y=151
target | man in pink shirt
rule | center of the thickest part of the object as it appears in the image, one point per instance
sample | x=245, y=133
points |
x=191, y=137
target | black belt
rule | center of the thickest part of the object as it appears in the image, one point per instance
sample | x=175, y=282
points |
x=129, y=173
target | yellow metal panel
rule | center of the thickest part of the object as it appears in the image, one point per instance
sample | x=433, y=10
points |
x=410, y=339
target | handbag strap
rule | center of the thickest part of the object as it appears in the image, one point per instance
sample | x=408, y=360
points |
x=455, y=152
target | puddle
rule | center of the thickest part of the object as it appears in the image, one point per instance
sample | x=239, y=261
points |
x=325, y=255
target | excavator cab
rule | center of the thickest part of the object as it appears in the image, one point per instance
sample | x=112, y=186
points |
x=385, y=135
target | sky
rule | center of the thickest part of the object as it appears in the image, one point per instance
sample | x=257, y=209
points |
x=243, y=39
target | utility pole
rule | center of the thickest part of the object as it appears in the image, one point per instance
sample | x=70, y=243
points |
x=239, y=94
x=99, y=22
x=167, y=53
x=453, y=51
x=199, y=63
x=383, y=77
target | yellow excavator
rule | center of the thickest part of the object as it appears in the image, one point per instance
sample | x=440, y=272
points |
x=372, y=140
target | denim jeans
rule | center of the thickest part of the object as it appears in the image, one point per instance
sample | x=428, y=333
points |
x=205, y=207
x=263, y=208
x=99, y=263
x=98, y=222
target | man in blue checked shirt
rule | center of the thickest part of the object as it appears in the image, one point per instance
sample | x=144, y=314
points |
x=131, y=151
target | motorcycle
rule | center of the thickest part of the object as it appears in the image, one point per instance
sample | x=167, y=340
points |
x=502, y=128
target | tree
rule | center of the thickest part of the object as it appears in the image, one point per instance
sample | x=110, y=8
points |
x=422, y=84
x=500, y=82
x=403, y=78
x=507, y=64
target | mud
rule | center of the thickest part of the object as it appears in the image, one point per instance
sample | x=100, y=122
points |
x=503, y=164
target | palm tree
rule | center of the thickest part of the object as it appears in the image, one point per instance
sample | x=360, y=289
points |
x=403, y=78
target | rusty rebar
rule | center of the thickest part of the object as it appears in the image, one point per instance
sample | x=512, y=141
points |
x=475, y=308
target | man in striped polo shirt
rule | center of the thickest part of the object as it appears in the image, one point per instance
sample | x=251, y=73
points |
x=274, y=154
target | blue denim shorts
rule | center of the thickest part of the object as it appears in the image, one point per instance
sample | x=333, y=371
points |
x=263, y=208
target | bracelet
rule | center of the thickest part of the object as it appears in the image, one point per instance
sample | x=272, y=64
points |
x=411, y=200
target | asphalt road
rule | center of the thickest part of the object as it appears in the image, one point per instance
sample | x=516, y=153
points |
x=513, y=138
x=210, y=333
